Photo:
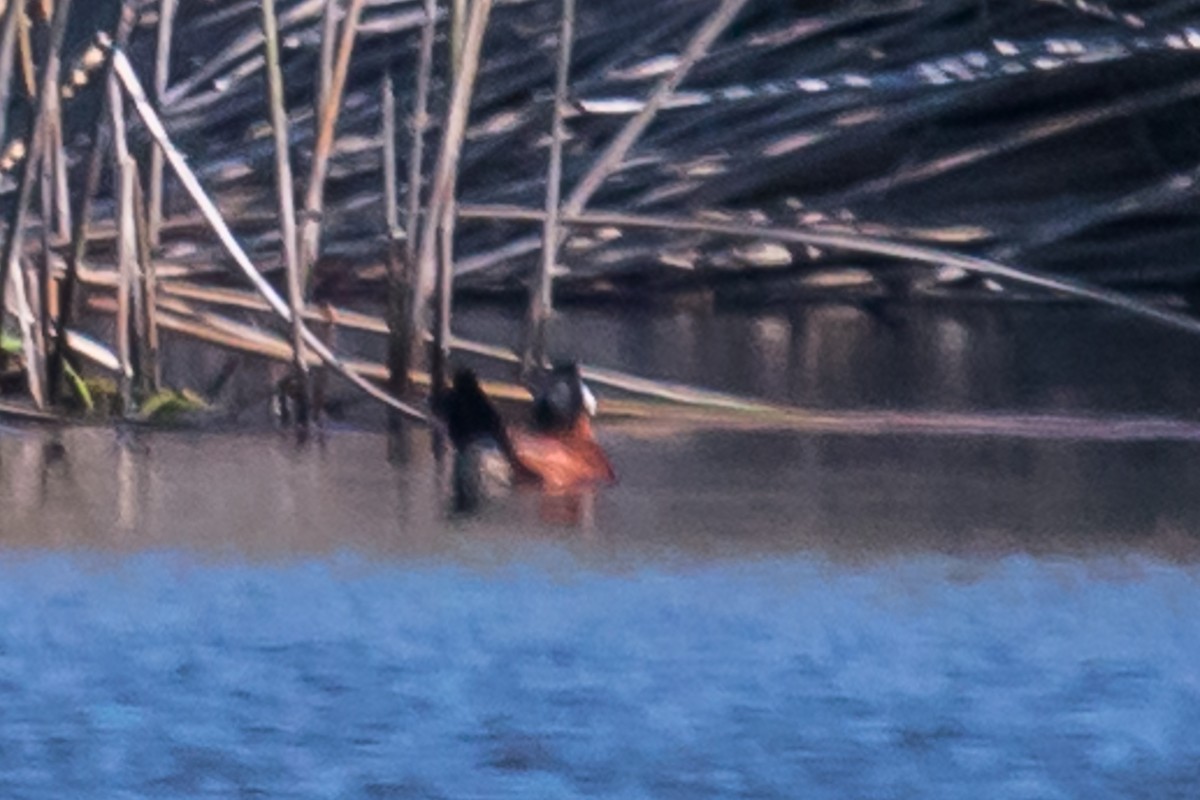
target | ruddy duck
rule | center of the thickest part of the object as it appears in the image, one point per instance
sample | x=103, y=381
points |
x=556, y=449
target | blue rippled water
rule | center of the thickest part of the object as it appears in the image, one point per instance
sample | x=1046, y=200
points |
x=160, y=675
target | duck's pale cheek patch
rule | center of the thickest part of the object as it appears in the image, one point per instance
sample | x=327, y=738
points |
x=589, y=400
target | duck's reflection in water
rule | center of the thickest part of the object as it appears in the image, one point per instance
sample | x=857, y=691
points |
x=567, y=508
x=575, y=509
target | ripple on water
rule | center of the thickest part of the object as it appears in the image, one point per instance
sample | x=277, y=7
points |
x=775, y=680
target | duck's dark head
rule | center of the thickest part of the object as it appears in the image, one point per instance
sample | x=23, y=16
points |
x=466, y=382
x=562, y=399
x=468, y=413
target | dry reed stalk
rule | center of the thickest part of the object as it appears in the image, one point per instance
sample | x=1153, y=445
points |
x=120, y=142
x=36, y=336
x=35, y=344
x=458, y=28
x=447, y=220
x=750, y=414
x=149, y=368
x=125, y=73
x=162, y=77
x=124, y=170
x=46, y=196
x=738, y=413
x=19, y=211
x=239, y=337
x=28, y=326
x=124, y=24
x=193, y=94
x=541, y=296
x=634, y=384
x=93, y=351
x=365, y=323
x=60, y=177
x=285, y=192
x=236, y=298
x=397, y=296
x=1038, y=131
x=420, y=123
x=387, y=132
x=400, y=335
x=25, y=55
x=403, y=331
x=445, y=175
x=310, y=226
x=12, y=411
x=856, y=243
x=1176, y=189
x=326, y=329
x=611, y=159
x=443, y=308
x=127, y=277
x=704, y=404
x=184, y=224
x=8, y=60
x=329, y=27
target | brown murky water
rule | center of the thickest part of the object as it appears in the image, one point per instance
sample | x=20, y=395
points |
x=728, y=494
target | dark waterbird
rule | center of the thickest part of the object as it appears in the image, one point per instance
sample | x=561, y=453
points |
x=555, y=449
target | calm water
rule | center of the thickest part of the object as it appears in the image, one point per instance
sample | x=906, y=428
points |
x=745, y=615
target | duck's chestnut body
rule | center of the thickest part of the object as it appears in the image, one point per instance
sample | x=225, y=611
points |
x=562, y=459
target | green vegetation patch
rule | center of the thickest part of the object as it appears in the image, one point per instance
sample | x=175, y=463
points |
x=168, y=405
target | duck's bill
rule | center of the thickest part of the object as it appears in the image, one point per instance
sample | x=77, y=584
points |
x=589, y=400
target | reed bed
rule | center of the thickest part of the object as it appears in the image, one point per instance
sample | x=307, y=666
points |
x=576, y=146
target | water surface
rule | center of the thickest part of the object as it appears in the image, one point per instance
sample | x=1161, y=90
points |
x=748, y=614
